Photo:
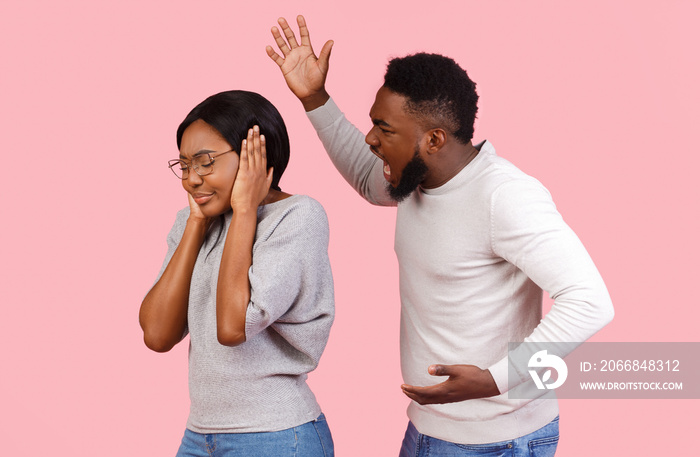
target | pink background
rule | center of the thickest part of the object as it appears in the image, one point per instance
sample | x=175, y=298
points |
x=599, y=100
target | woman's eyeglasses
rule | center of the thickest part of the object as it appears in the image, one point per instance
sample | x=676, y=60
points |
x=202, y=164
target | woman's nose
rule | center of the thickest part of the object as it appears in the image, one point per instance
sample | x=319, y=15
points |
x=193, y=179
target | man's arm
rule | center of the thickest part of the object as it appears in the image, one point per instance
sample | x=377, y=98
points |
x=528, y=231
x=305, y=75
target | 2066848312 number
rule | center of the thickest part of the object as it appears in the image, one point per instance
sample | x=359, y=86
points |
x=640, y=365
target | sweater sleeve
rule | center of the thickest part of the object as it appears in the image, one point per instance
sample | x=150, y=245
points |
x=290, y=279
x=347, y=149
x=173, y=240
x=528, y=231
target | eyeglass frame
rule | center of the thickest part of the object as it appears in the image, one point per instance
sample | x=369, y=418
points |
x=173, y=162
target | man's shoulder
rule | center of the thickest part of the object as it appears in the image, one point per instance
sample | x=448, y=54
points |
x=498, y=173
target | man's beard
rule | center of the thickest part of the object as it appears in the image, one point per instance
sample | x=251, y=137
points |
x=412, y=175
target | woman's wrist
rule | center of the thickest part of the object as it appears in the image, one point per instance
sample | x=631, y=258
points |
x=198, y=225
x=245, y=214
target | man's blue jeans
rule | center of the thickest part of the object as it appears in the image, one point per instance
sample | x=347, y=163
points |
x=312, y=439
x=540, y=443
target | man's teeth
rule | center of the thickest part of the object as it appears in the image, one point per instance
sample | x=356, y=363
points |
x=387, y=169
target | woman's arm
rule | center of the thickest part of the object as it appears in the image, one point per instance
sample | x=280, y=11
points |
x=249, y=190
x=163, y=314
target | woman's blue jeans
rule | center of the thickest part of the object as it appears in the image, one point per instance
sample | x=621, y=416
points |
x=312, y=439
x=540, y=443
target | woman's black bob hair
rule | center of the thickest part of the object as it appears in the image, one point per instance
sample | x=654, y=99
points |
x=232, y=113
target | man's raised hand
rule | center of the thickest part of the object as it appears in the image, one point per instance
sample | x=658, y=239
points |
x=304, y=73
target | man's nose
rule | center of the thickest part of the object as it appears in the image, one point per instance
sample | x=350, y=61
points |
x=371, y=138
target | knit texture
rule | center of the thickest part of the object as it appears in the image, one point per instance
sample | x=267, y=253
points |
x=260, y=385
x=474, y=256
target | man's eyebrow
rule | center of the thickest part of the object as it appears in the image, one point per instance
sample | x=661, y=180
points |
x=380, y=123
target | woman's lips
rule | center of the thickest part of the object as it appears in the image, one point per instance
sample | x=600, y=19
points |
x=201, y=199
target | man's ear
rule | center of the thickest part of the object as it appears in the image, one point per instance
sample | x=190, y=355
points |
x=436, y=140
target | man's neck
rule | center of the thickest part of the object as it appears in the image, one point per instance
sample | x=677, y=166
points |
x=449, y=163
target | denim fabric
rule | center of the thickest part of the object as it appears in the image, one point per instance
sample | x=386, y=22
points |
x=540, y=443
x=312, y=439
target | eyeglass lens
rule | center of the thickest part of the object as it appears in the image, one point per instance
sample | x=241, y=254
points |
x=202, y=165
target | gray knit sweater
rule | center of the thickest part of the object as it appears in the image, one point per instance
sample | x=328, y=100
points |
x=260, y=385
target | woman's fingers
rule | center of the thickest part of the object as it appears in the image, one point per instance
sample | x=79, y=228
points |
x=243, y=156
x=263, y=151
x=256, y=145
x=253, y=180
x=253, y=150
x=253, y=147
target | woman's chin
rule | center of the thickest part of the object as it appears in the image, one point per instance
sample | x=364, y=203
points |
x=214, y=210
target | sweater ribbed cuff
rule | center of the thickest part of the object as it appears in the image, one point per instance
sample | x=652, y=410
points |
x=324, y=116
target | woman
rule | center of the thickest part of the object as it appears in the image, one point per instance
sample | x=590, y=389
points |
x=247, y=276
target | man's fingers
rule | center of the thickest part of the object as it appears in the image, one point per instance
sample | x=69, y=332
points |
x=280, y=41
x=422, y=395
x=413, y=397
x=274, y=56
x=408, y=389
x=439, y=370
x=324, y=56
x=303, y=31
x=288, y=32
x=410, y=392
x=422, y=391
